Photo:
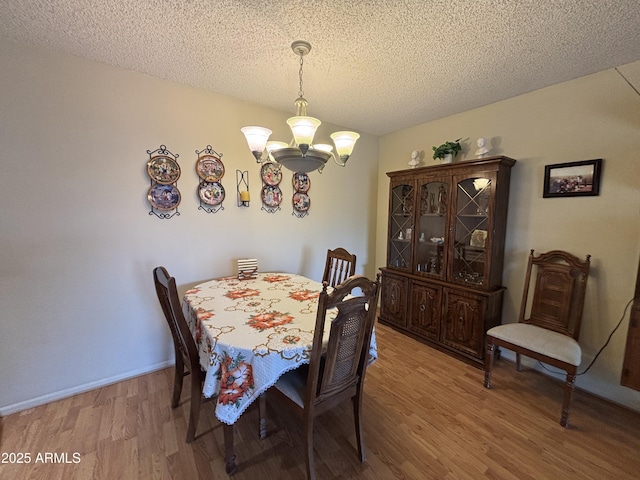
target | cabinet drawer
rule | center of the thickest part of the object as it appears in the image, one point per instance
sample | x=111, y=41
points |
x=393, y=306
x=424, y=310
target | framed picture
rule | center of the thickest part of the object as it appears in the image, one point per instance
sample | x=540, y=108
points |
x=478, y=237
x=573, y=179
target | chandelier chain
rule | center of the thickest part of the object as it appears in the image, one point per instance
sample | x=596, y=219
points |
x=300, y=92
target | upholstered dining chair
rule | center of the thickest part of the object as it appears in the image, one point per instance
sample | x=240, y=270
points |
x=335, y=374
x=186, y=351
x=339, y=266
x=549, y=322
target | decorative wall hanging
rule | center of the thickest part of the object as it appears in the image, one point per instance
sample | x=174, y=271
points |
x=210, y=169
x=301, y=199
x=242, y=183
x=271, y=174
x=163, y=194
x=572, y=179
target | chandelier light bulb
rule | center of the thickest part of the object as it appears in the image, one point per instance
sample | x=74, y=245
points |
x=344, y=141
x=303, y=129
x=256, y=139
x=275, y=145
x=324, y=147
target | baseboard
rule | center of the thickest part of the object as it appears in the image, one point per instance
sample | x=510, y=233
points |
x=558, y=377
x=69, y=392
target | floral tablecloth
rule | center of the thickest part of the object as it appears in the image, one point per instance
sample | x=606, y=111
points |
x=250, y=332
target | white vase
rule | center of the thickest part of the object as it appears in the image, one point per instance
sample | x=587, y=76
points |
x=448, y=158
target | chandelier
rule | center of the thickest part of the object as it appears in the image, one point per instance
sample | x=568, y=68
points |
x=301, y=154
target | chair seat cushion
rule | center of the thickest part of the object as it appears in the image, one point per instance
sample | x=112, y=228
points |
x=546, y=342
x=293, y=384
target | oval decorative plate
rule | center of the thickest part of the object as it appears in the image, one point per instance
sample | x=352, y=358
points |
x=210, y=168
x=163, y=169
x=271, y=195
x=211, y=193
x=271, y=173
x=164, y=197
x=301, y=182
x=301, y=202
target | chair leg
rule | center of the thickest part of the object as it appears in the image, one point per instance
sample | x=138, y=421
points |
x=308, y=444
x=262, y=413
x=566, y=403
x=357, y=416
x=229, y=452
x=488, y=362
x=194, y=410
x=178, y=375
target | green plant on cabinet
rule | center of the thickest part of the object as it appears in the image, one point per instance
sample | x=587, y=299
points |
x=452, y=148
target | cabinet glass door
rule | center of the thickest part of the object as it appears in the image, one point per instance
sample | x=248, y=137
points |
x=471, y=230
x=401, y=227
x=431, y=229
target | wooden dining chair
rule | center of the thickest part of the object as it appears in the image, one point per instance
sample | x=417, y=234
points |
x=552, y=302
x=339, y=266
x=186, y=351
x=335, y=374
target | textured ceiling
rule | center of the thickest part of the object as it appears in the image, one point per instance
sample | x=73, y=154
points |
x=376, y=66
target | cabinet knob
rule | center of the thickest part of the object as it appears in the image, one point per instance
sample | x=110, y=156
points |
x=422, y=307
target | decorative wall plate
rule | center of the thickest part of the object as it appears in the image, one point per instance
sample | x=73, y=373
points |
x=163, y=169
x=271, y=173
x=210, y=168
x=211, y=193
x=301, y=202
x=301, y=182
x=164, y=197
x=271, y=195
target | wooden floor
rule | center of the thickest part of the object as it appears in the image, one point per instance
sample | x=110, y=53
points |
x=426, y=416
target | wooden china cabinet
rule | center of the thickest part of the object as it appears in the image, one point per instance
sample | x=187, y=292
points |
x=445, y=249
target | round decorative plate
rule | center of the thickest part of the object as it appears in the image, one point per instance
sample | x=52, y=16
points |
x=211, y=193
x=163, y=169
x=271, y=195
x=301, y=202
x=210, y=168
x=164, y=197
x=271, y=173
x=301, y=182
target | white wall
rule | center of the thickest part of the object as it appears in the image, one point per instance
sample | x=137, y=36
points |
x=593, y=117
x=77, y=244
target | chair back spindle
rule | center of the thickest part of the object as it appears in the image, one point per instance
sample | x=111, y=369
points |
x=339, y=266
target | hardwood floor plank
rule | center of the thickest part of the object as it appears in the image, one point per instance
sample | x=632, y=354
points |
x=426, y=416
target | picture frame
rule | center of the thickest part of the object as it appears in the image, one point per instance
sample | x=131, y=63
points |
x=478, y=238
x=572, y=179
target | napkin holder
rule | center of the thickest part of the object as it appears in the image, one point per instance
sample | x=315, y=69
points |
x=247, y=268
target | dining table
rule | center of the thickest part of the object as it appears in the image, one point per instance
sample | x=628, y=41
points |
x=249, y=333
